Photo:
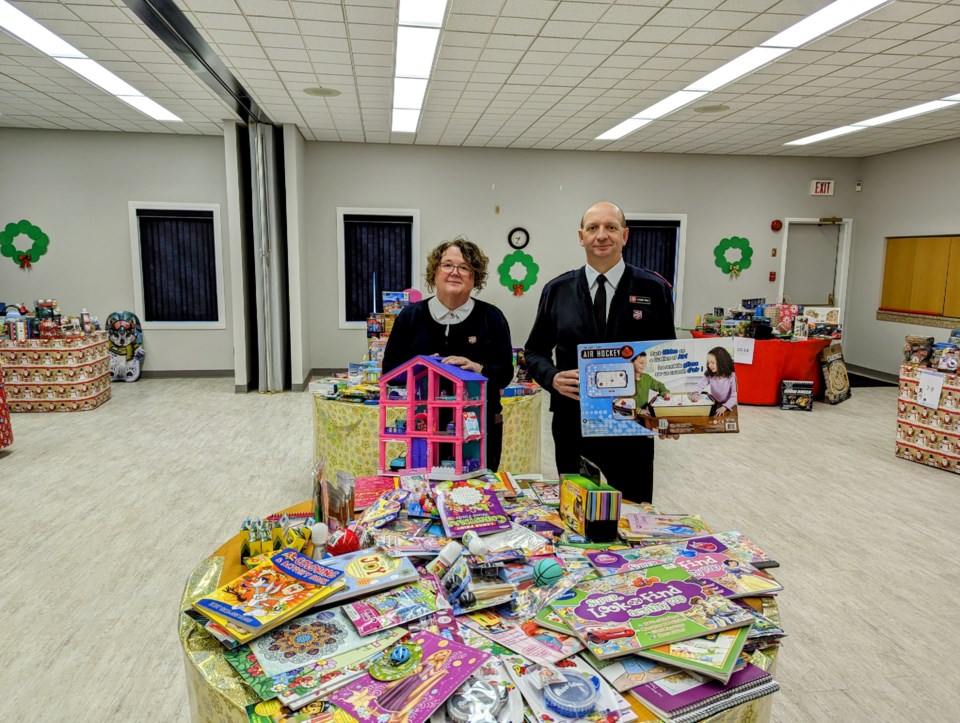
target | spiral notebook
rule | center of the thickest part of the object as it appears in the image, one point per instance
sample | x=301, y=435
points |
x=689, y=697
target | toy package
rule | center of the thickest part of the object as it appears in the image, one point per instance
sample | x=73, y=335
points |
x=680, y=386
x=836, y=383
x=796, y=394
x=917, y=350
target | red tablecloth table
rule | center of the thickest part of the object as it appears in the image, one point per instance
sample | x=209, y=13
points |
x=773, y=361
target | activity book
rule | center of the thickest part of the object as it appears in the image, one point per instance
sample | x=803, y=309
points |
x=270, y=593
x=663, y=604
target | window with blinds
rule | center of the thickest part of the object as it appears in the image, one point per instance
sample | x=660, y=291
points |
x=177, y=269
x=379, y=251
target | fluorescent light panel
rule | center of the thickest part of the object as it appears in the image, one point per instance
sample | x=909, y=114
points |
x=92, y=71
x=825, y=135
x=822, y=22
x=409, y=92
x=33, y=33
x=149, y=106
x=930, y=107
x=418, y=34
x=737, y=68
x=906, y=113
x=625, y=128
x=415, y=50
x=425, y=13
x=670, y=104
x=405, y=120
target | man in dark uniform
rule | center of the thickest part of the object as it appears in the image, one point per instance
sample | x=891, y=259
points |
x=604, y=301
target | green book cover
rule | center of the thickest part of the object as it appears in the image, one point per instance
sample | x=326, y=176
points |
x=715, y=655
x=659, y=605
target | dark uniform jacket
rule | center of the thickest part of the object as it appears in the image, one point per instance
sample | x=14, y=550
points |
x=641, y=310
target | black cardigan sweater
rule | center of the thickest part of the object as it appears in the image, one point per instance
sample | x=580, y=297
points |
x=483, y=337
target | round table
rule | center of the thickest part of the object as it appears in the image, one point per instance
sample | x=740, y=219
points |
x=216, y=692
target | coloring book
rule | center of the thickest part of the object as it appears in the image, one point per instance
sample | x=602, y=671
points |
x=547, y=492
x=395, y=607
x=443, y=668
x=311, y=637
x=528, y=639
x=464, y=507
x=271, y=593
x=715, y=655
x=369, y=570
x=298, y=686
x=659, y=605
x=704, y=560
x=628, y=671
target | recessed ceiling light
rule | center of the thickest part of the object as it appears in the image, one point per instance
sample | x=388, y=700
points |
x=322, y=92
x=711, y=109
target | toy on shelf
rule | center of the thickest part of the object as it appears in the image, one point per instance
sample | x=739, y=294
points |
x=444, y=418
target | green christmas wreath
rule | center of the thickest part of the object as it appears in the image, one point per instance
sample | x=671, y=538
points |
x=733, y=268
x=506, y=267
x=24, y=259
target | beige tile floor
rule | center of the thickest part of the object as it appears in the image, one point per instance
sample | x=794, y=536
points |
x=106, y=512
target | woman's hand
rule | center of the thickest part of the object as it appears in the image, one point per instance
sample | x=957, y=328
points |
x=463, y=363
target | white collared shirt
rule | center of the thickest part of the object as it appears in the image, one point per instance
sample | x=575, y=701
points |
x=442, y=315
x=613, y=277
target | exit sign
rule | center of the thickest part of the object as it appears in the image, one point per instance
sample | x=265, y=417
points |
x=821, y=188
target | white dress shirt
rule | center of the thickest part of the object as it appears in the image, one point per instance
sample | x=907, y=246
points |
x=613, y=277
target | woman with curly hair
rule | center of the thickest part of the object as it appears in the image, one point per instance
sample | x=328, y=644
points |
x=459, y=328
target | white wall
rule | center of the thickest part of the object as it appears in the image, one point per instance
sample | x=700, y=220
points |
x=907, y=193
x=458, y=189
x=76, y=186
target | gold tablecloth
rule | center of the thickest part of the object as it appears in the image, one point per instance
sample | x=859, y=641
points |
x=217, y=694
x=346, y=435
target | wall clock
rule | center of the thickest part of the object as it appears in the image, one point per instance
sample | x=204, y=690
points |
x=518, y=238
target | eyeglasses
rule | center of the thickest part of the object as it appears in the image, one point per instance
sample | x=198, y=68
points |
x=448, y=268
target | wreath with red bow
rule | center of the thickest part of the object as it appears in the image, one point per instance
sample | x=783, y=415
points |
x=505, y=269
x=24, y=259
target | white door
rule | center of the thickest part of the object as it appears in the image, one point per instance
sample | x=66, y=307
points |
x=810, y=268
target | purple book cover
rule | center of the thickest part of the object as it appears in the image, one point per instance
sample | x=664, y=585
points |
x=412, y=699
x=705, y=558
x=681, y=691
x=464, y=508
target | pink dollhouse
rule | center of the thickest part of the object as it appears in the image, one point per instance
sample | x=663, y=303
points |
x=444, y=418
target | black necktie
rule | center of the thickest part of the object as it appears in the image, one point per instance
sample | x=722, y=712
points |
x=600, y=305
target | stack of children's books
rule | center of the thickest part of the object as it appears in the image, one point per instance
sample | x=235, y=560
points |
x=498, y=611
